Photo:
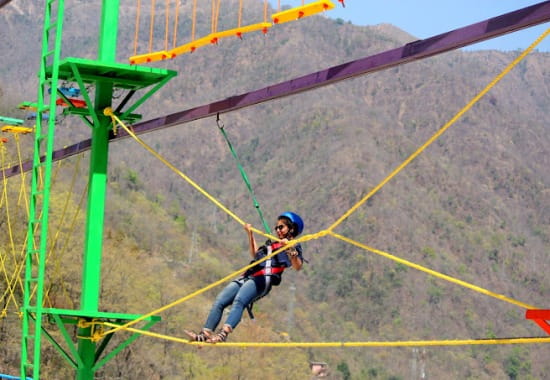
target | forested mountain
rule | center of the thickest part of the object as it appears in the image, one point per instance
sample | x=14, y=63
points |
x=475, y=205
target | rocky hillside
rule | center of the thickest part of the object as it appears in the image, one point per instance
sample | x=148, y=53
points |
x=474, y=206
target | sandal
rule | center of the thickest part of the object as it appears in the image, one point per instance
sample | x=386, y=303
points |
x=203, y=336
x=219, y=337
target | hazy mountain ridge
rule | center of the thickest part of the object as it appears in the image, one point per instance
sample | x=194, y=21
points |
x=474, y=205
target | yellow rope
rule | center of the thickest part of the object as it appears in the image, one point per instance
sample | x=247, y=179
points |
x=406, y=343
x=3, y=261
x=136, y=30
x=151, y=25
x=59, y=252
x=166, y=23
x=23, y=190
x=239, y=21
x=442, y=130
x=194, y=20
x=434, y=273
x=53, y=179
x=198, y=292
x=5, y=196
x=18, y=263
x=212, y=16
x=315, y=236
x=110, y=113
x=176, y=20
x=18, y=269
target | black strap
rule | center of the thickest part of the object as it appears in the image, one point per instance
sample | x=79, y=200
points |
x=249, y=310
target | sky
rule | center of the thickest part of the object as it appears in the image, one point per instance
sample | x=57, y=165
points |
x=426, y=18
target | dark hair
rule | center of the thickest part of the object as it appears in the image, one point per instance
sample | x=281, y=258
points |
x=291, y=226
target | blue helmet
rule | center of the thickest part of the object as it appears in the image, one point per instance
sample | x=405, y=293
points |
x=296, y=220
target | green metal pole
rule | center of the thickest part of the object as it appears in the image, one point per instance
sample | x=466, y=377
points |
x=97, y=182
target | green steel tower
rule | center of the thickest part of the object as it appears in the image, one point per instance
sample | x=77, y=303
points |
x=96, y=79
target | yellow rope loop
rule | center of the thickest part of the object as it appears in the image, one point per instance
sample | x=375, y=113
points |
x=97, y=333
x=438, y=134
x=96, y=329
x=108, y=111
x=82, y=323
x=85, y=337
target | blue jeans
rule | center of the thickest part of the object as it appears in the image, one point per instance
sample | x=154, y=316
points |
x=239, y=296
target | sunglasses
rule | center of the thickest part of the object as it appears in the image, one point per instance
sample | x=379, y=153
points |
x=279, y=227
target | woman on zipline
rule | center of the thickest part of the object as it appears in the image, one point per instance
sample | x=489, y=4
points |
x=256, y=282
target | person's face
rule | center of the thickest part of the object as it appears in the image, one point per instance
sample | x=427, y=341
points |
x=281, y=229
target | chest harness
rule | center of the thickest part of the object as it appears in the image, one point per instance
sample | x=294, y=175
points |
x=267, y=271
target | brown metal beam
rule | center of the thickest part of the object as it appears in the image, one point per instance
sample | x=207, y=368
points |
x=4, y=2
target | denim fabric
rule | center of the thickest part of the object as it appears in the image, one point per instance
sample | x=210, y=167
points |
x=240, y=293
x=239, y=296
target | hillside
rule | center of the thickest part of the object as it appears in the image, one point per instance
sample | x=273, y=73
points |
x=474, y=206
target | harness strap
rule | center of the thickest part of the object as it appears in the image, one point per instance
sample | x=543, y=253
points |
x=267, y=271
x=249, y=310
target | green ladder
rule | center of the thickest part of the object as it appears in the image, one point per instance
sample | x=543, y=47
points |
x=86, y=355
x=37, y=233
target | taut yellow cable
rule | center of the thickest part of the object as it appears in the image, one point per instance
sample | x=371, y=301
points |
x=470, y=104
x=434, y=273
x=404, y=343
